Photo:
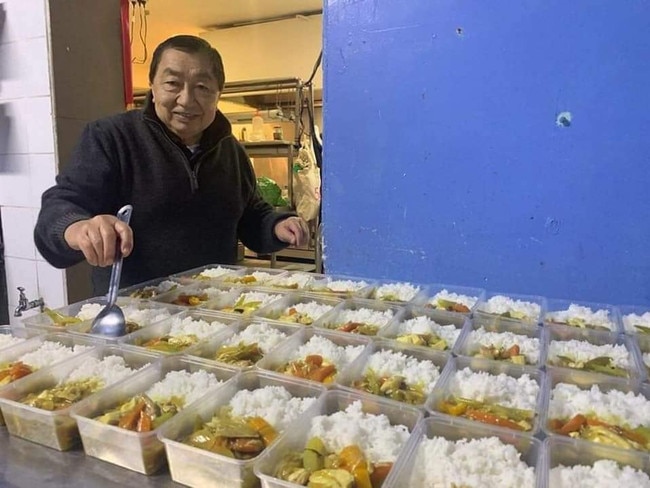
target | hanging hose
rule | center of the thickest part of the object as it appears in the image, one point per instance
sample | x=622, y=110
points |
x=126, y=53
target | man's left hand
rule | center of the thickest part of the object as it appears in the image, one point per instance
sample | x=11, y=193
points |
x=292, y=230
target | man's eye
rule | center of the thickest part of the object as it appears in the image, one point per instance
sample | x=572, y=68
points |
x=203, y=88
x=171, y=83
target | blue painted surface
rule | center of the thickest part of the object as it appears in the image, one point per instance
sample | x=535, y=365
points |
x=444, y=161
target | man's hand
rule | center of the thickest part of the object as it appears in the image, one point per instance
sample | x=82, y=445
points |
x=292, y=230
x=96, y=238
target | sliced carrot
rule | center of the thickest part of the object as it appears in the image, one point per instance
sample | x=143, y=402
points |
x=573, y=425
x=492, y=419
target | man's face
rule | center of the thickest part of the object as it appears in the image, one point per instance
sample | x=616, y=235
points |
x=185, y=94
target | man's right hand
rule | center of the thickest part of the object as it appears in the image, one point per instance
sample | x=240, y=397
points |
x=96, y=238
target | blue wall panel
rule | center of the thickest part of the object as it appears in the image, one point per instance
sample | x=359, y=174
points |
x=444, y=159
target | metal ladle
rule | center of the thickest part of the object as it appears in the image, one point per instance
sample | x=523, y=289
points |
x=110, y=320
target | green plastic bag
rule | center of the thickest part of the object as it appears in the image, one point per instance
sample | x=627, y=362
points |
x=271, y=192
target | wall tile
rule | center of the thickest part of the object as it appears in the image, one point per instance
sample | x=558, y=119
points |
x=42, y=169
x=14, y=138
x=51, y=285
x=24, y=69
x=26, y=126
x=17, y=231
x=23, y=19
x=21, y=272
x=15, y=184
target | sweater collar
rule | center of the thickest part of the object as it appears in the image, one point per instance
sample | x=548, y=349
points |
x=212, y=135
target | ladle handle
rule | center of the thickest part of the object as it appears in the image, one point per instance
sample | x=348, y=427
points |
x=124, y=215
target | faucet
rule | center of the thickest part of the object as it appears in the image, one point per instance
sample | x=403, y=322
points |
x=24, y=304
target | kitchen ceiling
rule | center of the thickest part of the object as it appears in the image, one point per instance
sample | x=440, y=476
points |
x=207, y=14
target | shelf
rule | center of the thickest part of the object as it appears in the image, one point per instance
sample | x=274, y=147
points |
x=268, y=149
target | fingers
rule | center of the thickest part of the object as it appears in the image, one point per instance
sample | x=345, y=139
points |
x=98, y=237
x=293, y=230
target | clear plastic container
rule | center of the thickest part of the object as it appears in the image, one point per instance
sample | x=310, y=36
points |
x=333, y=401
x=208, y=273
x=281, y=308
x=45, y=323
x=429, y=300
x=583, y=381
x=18, y=333
x=440, y=317
x=335, y=319
x=398, y=292
x=642, y=345
x=442, y=390
x=194, y=295
x=481, y=309
x=560, y=305
x=454, y=429
x=192, y=466
x=469, y=344
x=291, y=281
x=56, y=429
x=287, y=351
x=357, y=369
x=208, y=348
x=634, y=371
x=635, y=319
x=341, y=286
x=224, y=303
x=162, y=329
x=257, y=134
x=149, y=290
x=138, y=451
x=254, y=276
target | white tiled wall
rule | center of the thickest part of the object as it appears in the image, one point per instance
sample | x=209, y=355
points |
x=27, y=160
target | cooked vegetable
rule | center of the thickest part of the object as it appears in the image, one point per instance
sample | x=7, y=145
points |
x=241, y=355
x=433, y=341
x=59, y=319
x=141, y=414
x=313, y=367
x=393, y=387
x=242, y=306
x=593, y=429
x=451, y=306
x=13, y=371
x=63, y=396
x=190, y=300
x=292, y=315
x=171, y=344
x=601, y=364
x=512, y=418
x=511, y=354
x=358, y=328
x=580, y=323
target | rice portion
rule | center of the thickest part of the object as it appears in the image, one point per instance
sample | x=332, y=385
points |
x=340, y=356
x=108, y=370
x=376, y=437
x=499, y=389
x=367, y=316
x=599, y=318
x=613, y=406
x=528, y=346
x=51, y=352
x=295, y=280
x=500, y=305
x=312, y=309
x=198, y=327
x=8, y=340
x=583, y=351
x=256, y=296
x=486, y=462
x=132, y=313
x=417, y=372
x=424, y=325
x=273, y=403
x=182, y=384
x=215, y=272
x=397, y=292
x=468, y=301
x=632, y=320
x=266, y=336
x=604, y=473
x=340, y=286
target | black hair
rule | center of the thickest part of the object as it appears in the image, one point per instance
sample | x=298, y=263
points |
x=192, y=45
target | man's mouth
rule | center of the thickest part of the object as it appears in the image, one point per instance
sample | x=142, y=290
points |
x=185, y=115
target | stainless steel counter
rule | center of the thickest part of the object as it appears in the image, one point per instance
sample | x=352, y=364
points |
x=24, y=464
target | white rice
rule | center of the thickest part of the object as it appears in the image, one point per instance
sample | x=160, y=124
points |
x=528, y=346
x=109, y=370
x=256, y=296
x=273, y=403
x=198, y=327
x=50, y=352
x=582, y=351
x=215, y=272
x=400, y=292
x=424, y=325
x=417, y=372
x=498, y=389
x=260, y=277
x=599, y=318
x=265, y=335
x=604, y=473
x=613, y=406
x=340, y=286
x=312, y=309
x=8, y=340
x=376, y=437
x=631, y=320
x=132, y=313
x=468, y=301
x=365, y=316
x=299, y=279
x=184, y=385
x=340, y=356
x=486, y=462
x=500, y=304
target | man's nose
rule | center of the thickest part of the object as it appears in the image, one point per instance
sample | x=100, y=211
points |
x=185, y=96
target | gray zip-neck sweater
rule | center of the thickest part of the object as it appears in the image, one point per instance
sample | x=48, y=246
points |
x=188, y=208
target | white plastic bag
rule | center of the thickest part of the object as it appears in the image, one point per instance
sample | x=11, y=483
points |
x=306, y=182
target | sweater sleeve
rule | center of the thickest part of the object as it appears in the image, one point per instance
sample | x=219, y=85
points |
x=86, y=187
x=256, y=225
